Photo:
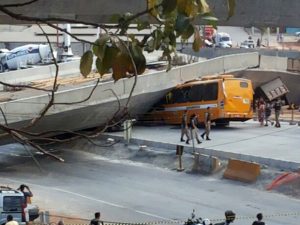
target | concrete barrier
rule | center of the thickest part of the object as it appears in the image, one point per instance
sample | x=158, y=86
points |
x=240, y=61
x=206, y=164
x=242, y=170
x=293, y=65
x=273, y=63
x=24, y=76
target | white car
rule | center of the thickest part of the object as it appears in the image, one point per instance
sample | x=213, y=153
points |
x=247, y=44
x=297, y=33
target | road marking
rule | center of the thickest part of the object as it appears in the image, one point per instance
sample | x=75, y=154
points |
x=89, y=198
x=93, y=199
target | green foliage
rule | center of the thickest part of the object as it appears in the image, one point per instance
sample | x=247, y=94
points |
x=86, y=63
x=175, y=20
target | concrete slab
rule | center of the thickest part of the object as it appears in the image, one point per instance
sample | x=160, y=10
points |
x=274, y=147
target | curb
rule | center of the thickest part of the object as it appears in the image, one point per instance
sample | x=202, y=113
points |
x=274, y=163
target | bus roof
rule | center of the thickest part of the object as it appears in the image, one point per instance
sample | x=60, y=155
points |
x=209, y=79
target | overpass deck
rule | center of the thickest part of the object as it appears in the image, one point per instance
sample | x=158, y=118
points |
x=271, y=146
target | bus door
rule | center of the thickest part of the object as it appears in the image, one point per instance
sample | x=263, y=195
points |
x=238, y=94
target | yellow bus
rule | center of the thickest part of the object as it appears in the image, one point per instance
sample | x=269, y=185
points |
x=229, y=99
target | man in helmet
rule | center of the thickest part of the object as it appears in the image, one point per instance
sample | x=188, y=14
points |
x=229, y=216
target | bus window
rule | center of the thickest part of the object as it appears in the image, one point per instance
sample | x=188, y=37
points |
x=181, y=95
x=243, y=84
x=196, y=93
x=210, y=91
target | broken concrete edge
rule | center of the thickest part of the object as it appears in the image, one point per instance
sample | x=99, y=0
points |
x=269, y=162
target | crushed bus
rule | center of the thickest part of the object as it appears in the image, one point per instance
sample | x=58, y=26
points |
x=229, y=98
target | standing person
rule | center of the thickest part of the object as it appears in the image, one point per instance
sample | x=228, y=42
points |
x=184, y=128
x=96, y=220
x=277, y=108
x=258, y=42
x=207, y=123
x=268, y=112
x=194, y=129
x=229, y=218
x=261, y=111
x=27, y=194
x=259, y=221
x=11, y=221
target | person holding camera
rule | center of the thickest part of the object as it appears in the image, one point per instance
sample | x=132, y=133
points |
x=27, y=194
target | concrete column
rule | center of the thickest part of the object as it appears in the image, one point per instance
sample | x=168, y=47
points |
x=268, y=36
x=252, y=30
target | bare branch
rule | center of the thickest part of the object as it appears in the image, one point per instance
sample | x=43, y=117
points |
x=81, y=101
x=19, y=4
x=24, y=86
x=4, y=117
x=54, y=87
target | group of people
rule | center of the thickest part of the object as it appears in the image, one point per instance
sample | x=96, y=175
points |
x=264, y=111
x=190, y=129
x=229, y=218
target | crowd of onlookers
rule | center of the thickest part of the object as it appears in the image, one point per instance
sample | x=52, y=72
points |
x=264, y=110
x=229, y=218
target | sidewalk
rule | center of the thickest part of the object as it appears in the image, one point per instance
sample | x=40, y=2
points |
x=274, y=147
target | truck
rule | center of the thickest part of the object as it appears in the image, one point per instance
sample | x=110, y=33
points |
x=24, y=56
x=223, y=40
x=272, y=90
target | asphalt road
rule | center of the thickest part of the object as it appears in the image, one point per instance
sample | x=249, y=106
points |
x=136, y=192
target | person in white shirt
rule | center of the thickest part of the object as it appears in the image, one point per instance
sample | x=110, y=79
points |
x=11, y=221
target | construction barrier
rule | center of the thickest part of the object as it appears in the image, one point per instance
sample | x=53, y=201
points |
x=242, y=170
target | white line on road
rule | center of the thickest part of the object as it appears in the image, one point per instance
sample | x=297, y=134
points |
x=89, y=198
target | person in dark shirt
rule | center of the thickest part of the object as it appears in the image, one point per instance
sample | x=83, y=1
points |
x=229, y=218
x=259, y=221
x=268, y=112
x=96, y=220
x=27, y=194
x=277, y=108
x=27, y=200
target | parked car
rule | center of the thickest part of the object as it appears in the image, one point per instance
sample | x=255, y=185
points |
x=297, y=33
x=247, y=44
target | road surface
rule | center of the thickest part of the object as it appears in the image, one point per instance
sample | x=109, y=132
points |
x=136, y=192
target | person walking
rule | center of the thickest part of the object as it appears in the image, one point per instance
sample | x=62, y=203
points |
x=277, y=108
x=259, y=221
x=96, y=220
x=261, y=111
x=268, y=112
x=184, y=128
x=207, y=123
x=10, y=220
x=194, y=128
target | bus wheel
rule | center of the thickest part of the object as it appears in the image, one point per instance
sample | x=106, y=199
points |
x=222, y=123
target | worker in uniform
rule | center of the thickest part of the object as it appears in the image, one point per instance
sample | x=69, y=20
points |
x=184, y=127
x=207, y=123
x=194, y=128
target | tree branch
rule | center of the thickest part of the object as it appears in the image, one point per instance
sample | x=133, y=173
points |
x=19, y=4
